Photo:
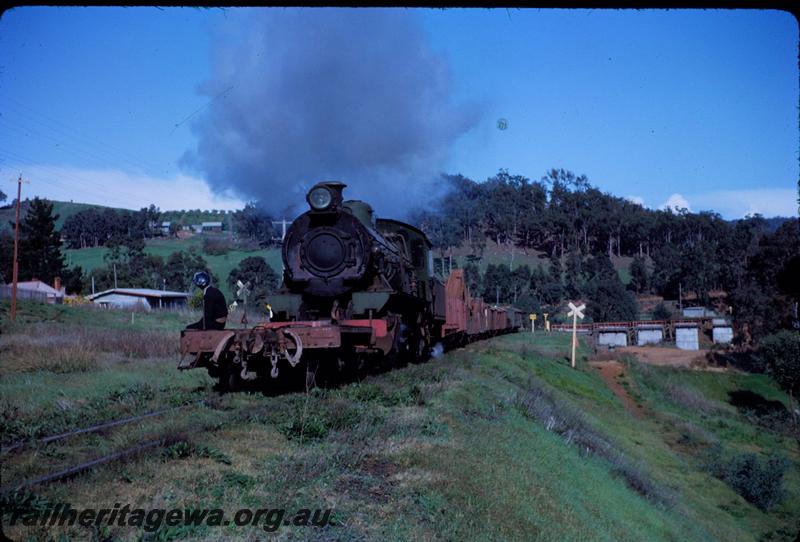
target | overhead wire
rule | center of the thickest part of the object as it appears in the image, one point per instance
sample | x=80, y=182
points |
x=59, y=178
x=61, y=146
x=73, y=132
x=57, y=173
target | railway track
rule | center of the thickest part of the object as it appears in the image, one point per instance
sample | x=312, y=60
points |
x=87, y=465
x=146, y=444
x=94, y=428
x=143, y=446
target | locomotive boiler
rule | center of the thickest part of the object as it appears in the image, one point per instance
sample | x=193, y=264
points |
x=358, y=291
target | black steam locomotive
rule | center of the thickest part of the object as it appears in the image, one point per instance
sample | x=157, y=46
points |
x=357, y=292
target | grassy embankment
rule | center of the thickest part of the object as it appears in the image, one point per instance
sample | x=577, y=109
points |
x=451, y=449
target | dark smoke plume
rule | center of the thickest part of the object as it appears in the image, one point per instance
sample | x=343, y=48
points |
x=306, y=95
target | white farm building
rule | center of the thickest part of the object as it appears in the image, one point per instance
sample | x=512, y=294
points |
x=143, y=298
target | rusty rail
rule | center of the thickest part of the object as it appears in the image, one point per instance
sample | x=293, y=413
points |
x=95, y=428
x=81, y=467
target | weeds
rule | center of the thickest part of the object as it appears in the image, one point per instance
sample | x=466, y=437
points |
x=759, y=482
x=212, y=453
x=321, y=416
x=693, y=436
x=372, y=393
x=64, y=416
x=78, y=349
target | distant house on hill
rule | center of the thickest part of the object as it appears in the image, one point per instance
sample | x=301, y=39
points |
x=145, y=298
x=165, y=227
x=36, y=290
x=211, y=226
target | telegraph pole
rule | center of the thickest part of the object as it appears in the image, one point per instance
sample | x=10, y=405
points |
x=15, y=272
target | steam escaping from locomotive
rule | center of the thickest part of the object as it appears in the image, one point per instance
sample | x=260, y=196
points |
x=300, y=95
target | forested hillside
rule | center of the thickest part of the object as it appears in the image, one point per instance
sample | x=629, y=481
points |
x=749, y=262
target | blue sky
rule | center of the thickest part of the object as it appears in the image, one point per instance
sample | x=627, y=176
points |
x=698, y=107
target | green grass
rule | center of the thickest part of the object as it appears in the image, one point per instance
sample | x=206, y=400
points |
x=438, y=451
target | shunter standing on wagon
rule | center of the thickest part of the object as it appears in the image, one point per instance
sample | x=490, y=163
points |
x=215, y=309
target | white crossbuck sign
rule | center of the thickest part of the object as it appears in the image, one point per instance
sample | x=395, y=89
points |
x=243, y=289
x=576, y=311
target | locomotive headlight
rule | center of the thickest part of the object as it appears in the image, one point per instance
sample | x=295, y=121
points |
x=320, y=198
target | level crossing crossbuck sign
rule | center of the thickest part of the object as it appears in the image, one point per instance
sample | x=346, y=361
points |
x=575, y=312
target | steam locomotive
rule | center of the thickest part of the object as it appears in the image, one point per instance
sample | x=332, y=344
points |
x=358, y=292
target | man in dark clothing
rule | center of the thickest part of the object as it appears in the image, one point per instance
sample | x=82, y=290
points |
x=215, y=309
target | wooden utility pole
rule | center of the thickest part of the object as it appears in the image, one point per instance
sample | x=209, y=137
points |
x=15, y=272
x=575, y=312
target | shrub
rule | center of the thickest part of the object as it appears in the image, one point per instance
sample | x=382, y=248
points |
x=661, y=312
x=781, y=354
x=758, y=482
x=262, y=278
x=216, y=246
x=692, y=435
x=196, y=300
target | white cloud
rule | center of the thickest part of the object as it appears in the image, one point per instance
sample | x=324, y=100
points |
x=675, y=202
x=738, y=203
x=116, y=188
x=638, y=200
